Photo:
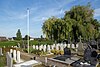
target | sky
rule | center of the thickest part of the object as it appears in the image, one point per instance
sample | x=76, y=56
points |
x=13, y=14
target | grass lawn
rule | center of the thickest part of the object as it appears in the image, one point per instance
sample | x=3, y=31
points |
x=2, y=61
x=8, y=43
x=34, y=42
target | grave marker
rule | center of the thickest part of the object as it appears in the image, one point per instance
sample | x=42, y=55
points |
x=14, y=55
x=18, y=56
x=9, y=60
x=1, y=52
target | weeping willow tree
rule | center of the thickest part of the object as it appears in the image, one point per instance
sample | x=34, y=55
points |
x=78, y=21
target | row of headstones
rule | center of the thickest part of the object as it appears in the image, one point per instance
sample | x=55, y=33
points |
x=59, y=46
x=12, y=55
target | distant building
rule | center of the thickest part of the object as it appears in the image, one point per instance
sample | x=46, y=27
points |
x=39, y=38
x=14, y=38
x=3, y=38
x=31, y=38
x=10, y=39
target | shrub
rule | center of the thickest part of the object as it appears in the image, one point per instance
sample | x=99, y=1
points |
x=57, y=52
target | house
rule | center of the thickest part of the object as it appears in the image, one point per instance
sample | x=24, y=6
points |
x=2, y=38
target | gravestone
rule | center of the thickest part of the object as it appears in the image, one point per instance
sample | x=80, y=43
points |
x=68, y=45
x=44, y=48
x=93, y=44
x=87, y=53
x=52, y=47
x=57, y=48
x=40, y=47
x=37, y=47
x=61, y=47
x=93, y=59
x=48, y=48
x=33, y=46
x=11, y=52
x=98, y=44
x=73, y=46
x=80, y=49
x=65, y=45
x=1, y=52
x=18, y=56
x=14, y=55
x=67, y=51
x=9, y=60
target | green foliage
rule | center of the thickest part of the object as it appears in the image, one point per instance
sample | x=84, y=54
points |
x=18, y=35
x=36, y=42
x=8, y=43
x=78, y=21
x=26, y=37
x=57, y=52
x=2, y=61
x=38, y=52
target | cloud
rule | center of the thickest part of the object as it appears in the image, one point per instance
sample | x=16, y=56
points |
x=97, y=12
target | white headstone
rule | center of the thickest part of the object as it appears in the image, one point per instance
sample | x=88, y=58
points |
x=52, y=47
x=14, y=55
x=73, y=46
x=37, y=47
x=68, y=45
x=48, y=48
x=18, y=56
x=61, y=47
x=33, y=46
x=40, y=47
x=76, y=45
x=1, y=52
x=9, y=60
x=57, y=46
x=11, y=51
x=44, y=48
x=65, y=45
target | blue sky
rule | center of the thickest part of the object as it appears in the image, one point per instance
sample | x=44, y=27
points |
x=13, y=14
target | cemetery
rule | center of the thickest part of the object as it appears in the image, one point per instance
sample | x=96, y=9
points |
x=50, y=33
x=81, y=55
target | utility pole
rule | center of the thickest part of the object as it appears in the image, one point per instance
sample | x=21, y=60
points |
x=28, y=29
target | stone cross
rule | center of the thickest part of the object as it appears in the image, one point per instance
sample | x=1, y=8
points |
x=80, y=38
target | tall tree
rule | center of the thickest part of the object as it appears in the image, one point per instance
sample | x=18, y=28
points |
x=26, y=37
x=78, y=21
x=18, y=35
